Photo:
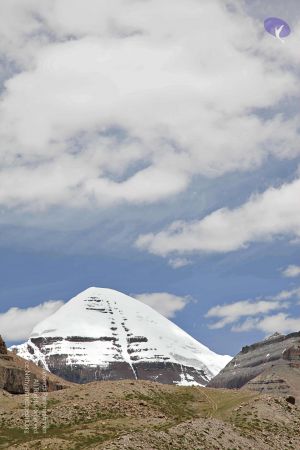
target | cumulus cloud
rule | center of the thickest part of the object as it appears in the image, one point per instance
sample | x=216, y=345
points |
x=247, y=315
x=163, y=302
x=16, y=324
x=264, y=216
x=230, y=313
x=281, y=323
x=291, y=271
x=88, y=116
x=288, y=294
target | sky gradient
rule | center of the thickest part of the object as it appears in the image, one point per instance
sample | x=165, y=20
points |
x=152, y=148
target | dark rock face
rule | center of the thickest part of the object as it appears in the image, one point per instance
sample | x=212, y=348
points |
x=12, y=379
x=15, y=373
x=168, y=373
x=3, y=349
x=84, y=374
x=162, y=372
x=254, y=360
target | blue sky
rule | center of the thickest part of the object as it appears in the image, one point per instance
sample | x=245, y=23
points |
x=152, y=156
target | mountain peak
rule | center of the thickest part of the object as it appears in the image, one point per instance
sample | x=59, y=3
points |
x=95, y=290
x=273, y=336
x=104, y=334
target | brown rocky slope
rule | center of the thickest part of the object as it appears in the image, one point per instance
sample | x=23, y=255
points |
x=271, y=366
x=13, y=370
x=132, y=415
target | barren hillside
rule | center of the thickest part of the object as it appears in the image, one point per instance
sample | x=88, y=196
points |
x=146, y=415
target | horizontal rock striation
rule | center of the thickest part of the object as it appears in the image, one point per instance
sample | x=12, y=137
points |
x=254, y=360
x=166, y=373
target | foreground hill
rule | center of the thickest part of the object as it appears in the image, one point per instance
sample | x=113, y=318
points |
x=102, y=334
x=132, y=415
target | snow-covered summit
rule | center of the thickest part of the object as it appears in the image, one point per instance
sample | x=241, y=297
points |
x=104, y=334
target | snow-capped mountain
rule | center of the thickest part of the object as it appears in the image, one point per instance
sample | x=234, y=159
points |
x=104, y=334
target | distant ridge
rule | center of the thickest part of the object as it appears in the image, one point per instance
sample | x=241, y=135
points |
x=270, y=366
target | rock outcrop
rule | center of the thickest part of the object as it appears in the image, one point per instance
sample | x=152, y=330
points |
x=16, y=373
x=3, y=349
x=282, y=380
x=272, y=365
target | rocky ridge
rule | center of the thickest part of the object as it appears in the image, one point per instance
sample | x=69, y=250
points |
x=272, y=365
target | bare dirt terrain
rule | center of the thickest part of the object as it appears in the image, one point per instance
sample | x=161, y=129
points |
x=145, y=415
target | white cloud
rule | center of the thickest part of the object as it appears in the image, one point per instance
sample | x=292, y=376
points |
x=16, y=324
x=112, y=103
x=291, y=271
x=247, y=315
x=263, y=217
x=176, y=263
x=281, y=322
x=287, y=294
x=231, y=313
x=163, y=302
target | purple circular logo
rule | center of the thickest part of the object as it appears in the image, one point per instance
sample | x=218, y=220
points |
x=277, y=27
